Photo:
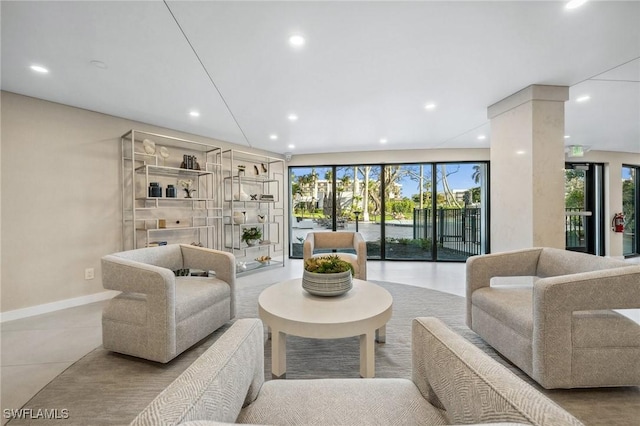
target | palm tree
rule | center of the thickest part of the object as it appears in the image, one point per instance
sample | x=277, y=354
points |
x=477, y=173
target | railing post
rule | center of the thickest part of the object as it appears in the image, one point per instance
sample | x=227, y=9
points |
x=441, y=226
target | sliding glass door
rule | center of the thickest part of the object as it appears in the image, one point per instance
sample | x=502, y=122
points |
x=408, y=219
x=358, y=201
x=584, y=208
x=335, y=198
x=421, y=211
x=460, y=210
x=630, y=208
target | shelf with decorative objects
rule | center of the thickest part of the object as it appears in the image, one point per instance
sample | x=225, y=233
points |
x=253, y=209
x=165, y=177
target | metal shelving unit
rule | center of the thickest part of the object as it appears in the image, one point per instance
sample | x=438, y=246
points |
x=151, y=220
x=253, y=188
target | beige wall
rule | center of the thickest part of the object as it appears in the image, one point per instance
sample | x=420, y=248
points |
x=390, y=157
x=60, y=198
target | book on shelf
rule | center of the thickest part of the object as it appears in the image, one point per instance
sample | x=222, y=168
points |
x=157, y=243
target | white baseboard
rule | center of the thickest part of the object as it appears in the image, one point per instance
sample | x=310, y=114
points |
x=56, y=306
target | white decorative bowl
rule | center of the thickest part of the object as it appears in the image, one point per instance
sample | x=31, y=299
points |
x=327, y=284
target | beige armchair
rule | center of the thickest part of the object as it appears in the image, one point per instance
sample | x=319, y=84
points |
x=452, y=382
x=560, y=327
x=326, y=242
x=159, y=315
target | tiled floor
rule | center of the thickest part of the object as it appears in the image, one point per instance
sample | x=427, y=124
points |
x=35, y=350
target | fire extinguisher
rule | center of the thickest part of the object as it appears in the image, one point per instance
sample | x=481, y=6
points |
x=617, y=224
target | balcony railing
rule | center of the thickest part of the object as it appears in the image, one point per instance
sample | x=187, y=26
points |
x=456, y=229
x=575, y=228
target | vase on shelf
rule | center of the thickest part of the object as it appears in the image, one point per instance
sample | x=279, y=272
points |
x=241, y=195
x=239, y=217
x=155, y=190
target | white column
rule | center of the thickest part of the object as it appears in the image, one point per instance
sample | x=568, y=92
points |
x=527, y=169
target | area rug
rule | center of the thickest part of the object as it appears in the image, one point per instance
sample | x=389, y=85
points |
x=105, y=388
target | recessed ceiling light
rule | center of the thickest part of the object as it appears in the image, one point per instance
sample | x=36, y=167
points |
x=99, y=64
x=194, y=113
x=296, y=40
x=567, y=136
x=481, y=137
x=292, y=117
x=291, y=146
x=383, y=140
x=583, y=98
x=574, y=4
x=273, y=137
x=40, y=69
x=521, y=152
x=430, y=106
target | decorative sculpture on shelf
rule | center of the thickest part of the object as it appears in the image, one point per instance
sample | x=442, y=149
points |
x=186, y=185
x=149, y=146
x=239, y=217
x=164, y=153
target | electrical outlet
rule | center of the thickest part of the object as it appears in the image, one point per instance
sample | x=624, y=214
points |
x=88, y=274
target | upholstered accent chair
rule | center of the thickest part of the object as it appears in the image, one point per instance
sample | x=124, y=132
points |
x=560, y=326
x=452, y=382
x=159, y=315
x=324, y=243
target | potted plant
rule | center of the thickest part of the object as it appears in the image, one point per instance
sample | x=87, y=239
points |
x=327, y=276
x=251, y=235
x=186, y=185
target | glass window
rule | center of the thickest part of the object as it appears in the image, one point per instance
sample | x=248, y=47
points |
x=630, y=197
x=402, y=211
x=459, y=210
x=408, y=224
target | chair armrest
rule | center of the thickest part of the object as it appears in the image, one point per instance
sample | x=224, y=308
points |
x=222, y=262
x=158, y=284
x=359, y=244
x=130, y=276
x=480, y=269
x=458, y=377
x=308, y=246
x=218, y=384
x=556, y=298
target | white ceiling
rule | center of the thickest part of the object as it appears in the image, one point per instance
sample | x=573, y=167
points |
x=365, y=73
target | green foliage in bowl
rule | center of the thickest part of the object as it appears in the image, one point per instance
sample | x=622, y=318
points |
x=327, y=265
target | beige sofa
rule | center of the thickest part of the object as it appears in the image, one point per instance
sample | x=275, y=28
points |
x=560, y=329
x=453, y=382
x=158, y=315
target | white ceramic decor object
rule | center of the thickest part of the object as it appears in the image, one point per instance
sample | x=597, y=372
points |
x=149, y=146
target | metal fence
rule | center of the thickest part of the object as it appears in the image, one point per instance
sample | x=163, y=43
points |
x=575, y=228
x=456, y=229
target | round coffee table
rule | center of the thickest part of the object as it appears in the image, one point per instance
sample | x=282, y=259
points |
x=288, y=309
